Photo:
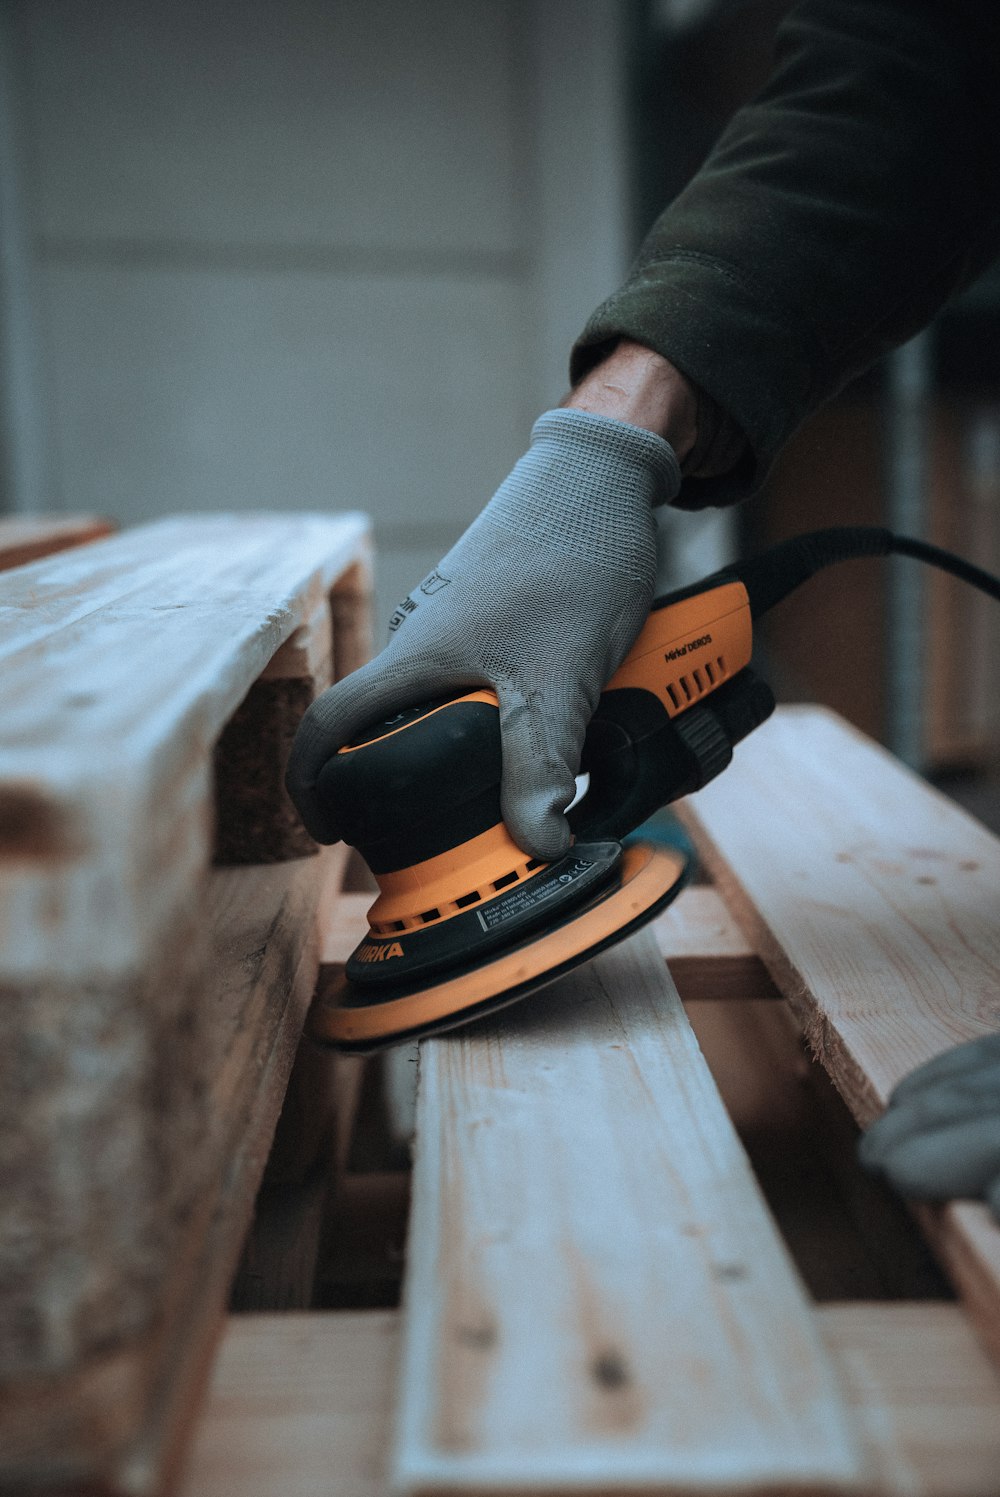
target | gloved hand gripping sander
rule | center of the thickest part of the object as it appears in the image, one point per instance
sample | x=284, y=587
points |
x=465, y=921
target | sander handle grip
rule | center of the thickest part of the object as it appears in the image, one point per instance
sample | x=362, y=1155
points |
x=639, y=758
x=427, y=780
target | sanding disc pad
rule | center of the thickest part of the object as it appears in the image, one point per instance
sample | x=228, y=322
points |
x=348, y=1019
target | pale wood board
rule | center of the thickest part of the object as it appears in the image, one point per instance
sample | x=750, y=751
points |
x=302, y=1404
x=27, y=538
x=925, y=1397
x=152, y=1004
x=342, y=925
x=299, y=1405
x=596, y=1297
x=707, y=953
x=966, y=1239
x=850, y=1236
x=152, y=1274
x=875, y=903
x=874, y=900
x=122, y=662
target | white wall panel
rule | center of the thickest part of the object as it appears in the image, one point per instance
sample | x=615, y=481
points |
x=578, y=183
x=386, y=125
x=315, y=253
x=211, y=390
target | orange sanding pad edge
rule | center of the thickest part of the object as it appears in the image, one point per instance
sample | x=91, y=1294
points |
x=650, y=878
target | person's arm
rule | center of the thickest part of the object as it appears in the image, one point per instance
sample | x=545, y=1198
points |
x=836, y=214
x=634, y=384
x=832, y=218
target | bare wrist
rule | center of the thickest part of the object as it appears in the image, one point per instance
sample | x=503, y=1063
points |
x=637, y=385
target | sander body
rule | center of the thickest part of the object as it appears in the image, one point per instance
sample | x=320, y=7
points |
x=465, y=921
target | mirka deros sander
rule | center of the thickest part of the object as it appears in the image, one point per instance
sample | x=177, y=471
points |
x=466, y=922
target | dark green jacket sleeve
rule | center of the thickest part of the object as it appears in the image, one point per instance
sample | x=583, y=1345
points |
x=836, y=214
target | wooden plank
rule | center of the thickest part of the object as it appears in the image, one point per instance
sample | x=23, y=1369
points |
x=705, y=950
x=873, y=901
x=151, y=1006
x=872, y=898
x=350, y=604
x=596, y=1297
x=150, y=1276
x=962, y=723
x=966, y=1239
x=342, y=927
x=925, y=1397
x=27, y=538
x=302, y=1404
x=299, y=1404
x=307, y=1158
x=278, y=1268
x=850, y=1236
x=707, y=953
x=122, y=663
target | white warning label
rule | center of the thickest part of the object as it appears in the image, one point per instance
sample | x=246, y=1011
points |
x=529, y=896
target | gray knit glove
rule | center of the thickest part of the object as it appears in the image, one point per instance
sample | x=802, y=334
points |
x=541, y=599
x=940, y=1135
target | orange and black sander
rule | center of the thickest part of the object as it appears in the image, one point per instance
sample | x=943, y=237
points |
x=466, y=922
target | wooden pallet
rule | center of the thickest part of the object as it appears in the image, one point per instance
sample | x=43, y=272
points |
x=305, y=1404
x=158, y=948
x=620, y=1240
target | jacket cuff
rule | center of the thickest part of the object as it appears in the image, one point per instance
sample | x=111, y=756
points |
x=722, y=335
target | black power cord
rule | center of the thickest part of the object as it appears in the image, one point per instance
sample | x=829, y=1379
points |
x=778, y=571
x=770, y=577
x=947, y=561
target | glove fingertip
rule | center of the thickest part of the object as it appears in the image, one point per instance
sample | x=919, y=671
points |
x=312, y=811
x=547, y=841
x=538, y=783
x=536, y=822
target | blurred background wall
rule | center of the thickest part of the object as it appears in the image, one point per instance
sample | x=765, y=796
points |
x=306, y=253
x=332, y=254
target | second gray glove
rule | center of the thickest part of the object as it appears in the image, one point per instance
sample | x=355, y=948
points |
x=940, y=1135
x=541, y=598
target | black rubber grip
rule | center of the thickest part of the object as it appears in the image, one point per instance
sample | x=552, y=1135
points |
x=640, y=759
x=419, y=784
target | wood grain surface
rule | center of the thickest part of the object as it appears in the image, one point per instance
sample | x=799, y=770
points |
x=299, y=1405
x=875, y=903
x=121, y=664
x=302, y=1404
x=115, y=1305
x=152, y=1004
x=874, y=900
x=596, y=1297
x=925, y=1397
